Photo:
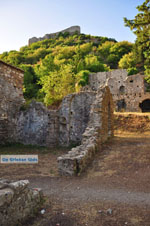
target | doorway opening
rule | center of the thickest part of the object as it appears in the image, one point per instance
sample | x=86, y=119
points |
x=145, y=105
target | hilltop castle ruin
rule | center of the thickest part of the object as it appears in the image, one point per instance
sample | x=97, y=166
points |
x=71, y=30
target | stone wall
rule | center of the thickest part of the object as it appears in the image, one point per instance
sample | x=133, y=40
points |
x=11, y=98
x=38, y=125
x=72, y=30
x=128, y=91
x=74, y=116
x=18, y=202
x=99, y=129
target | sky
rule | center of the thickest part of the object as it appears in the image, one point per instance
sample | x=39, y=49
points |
x=23, y=19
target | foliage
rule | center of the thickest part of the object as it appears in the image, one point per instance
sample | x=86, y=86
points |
x=140, y=26
x=111, y=52
x=31, y=86
x=82, y=79
x=132, y=71
x=127, y=61
x=58, y=84
x=55, y=67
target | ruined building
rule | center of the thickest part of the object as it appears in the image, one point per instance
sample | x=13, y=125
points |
x=65, y=126
x=84, y=119
x=99, y=129
x=71, y=30
x=129, y=92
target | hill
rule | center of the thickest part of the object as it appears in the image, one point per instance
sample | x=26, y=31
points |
x=57, y=66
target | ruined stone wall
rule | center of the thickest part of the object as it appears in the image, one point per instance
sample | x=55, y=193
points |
x=38, y=125
x=99, y=129
x=74, y=116
x=11, y=98
x=18, y=202
x=72, y=30
x=128, y=91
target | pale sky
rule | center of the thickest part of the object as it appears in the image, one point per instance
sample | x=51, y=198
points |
x=23, y=19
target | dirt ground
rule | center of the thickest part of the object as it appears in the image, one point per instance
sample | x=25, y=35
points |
x=114, y=190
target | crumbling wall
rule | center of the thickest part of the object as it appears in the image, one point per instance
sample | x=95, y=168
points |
x=74, y=116
x=38, y=125
x=99, y=129
x=11, y=98
x=18, y=202
x=128, y=91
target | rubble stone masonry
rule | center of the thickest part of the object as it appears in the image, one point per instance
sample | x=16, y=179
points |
x=98, y=130
x=11, y=98
x=18, y=202
x=128, y=91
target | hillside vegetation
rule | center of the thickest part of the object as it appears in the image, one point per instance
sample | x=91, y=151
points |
x=56, y=67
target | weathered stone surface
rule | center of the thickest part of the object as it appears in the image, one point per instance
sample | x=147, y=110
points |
x=128, y=91
x=18, y=202
x=99, y=129
x=72, y=30
x=74, y=117
x=11, y=98
x=37, y=126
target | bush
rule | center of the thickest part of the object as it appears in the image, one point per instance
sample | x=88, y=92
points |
x=132, y=71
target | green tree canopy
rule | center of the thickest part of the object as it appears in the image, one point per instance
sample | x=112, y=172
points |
x=140, y=26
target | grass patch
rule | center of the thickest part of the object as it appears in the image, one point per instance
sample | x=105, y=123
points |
x=18, y=148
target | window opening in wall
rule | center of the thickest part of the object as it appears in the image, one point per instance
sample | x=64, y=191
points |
x=131, y=81
x=145, y=105
x=122, y=89
x=121, y=105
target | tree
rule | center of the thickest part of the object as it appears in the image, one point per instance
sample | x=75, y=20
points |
x=58, y=84
x=127, y=61
x=93, y=64
x=31, y=87
x=140, y=26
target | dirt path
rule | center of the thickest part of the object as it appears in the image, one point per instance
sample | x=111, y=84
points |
x=76, y=191
x=121, y=172
x=118, y=180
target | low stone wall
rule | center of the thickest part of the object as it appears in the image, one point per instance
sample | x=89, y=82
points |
x=99, y=129
x=18, y=202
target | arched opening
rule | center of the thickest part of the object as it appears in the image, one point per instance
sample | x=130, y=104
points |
x=122, y=89
x=145, y=105
x=121, y=105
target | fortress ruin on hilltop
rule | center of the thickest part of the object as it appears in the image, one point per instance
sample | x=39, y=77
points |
x=71, y=30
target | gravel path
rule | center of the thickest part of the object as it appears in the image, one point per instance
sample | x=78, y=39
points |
x=72, y=191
